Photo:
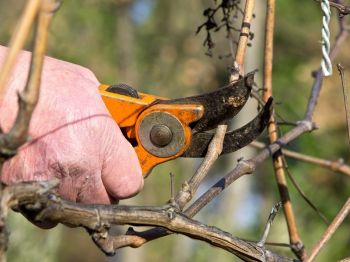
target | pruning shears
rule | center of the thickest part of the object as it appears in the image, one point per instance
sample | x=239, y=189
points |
x=162, y=129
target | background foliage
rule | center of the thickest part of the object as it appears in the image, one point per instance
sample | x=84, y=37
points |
x=151, y=45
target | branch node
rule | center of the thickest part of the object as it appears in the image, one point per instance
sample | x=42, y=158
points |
x=307, y=124
x=247, y=165
x=105, y=244
x=186, y=192
x=50, y=6
x=186, y=187
x=299, y=249
x=171, y=213
x=234, y=71
x=270, y=220
x=53, y=198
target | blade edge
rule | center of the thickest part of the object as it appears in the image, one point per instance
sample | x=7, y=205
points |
x=219, y=105
x=235, y=139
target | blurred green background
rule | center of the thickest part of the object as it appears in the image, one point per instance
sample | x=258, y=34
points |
x=151, y=45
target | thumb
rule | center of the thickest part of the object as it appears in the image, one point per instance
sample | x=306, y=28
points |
x=121, y=173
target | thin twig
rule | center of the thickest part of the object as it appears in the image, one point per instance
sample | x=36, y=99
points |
x=345, y=95
x=296, y=243
x=330, y=230
x=270, y=243
x=342, y=9
x=303, y=194
x=172, y=189
x=246, y=167
x=336, y=165
x=18, y=40
x=243, y=167
x=214, y=150
x=269, y=222
x=243, y=40
x=268, y=52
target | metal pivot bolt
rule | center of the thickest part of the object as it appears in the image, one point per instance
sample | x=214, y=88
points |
x=161, y=135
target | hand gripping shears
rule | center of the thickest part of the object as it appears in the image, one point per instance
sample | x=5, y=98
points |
x=162, y=129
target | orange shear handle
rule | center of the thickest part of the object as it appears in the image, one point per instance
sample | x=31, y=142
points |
x=158, y=132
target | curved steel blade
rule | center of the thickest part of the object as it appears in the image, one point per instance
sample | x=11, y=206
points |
x=219, y=105
x=235, y=139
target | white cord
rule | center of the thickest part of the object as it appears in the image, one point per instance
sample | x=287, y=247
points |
x=326, y=64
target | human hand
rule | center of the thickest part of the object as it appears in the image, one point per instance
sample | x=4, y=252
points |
x=73, y=137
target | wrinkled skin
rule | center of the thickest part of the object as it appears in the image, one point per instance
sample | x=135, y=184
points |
x=73, y=137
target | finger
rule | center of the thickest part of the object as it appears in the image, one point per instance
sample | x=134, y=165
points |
x=121, y=173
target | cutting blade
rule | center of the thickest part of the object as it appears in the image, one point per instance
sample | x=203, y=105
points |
x=233, y=140
x=219, y=105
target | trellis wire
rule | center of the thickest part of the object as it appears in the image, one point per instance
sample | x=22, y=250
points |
x=326, y=64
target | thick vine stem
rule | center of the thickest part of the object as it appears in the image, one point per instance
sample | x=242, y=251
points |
x=98, y=218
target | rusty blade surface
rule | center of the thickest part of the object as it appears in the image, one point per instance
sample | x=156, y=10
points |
x=219, y=105
x=235, y=139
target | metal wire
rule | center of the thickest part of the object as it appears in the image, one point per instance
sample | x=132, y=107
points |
x=326, y=64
